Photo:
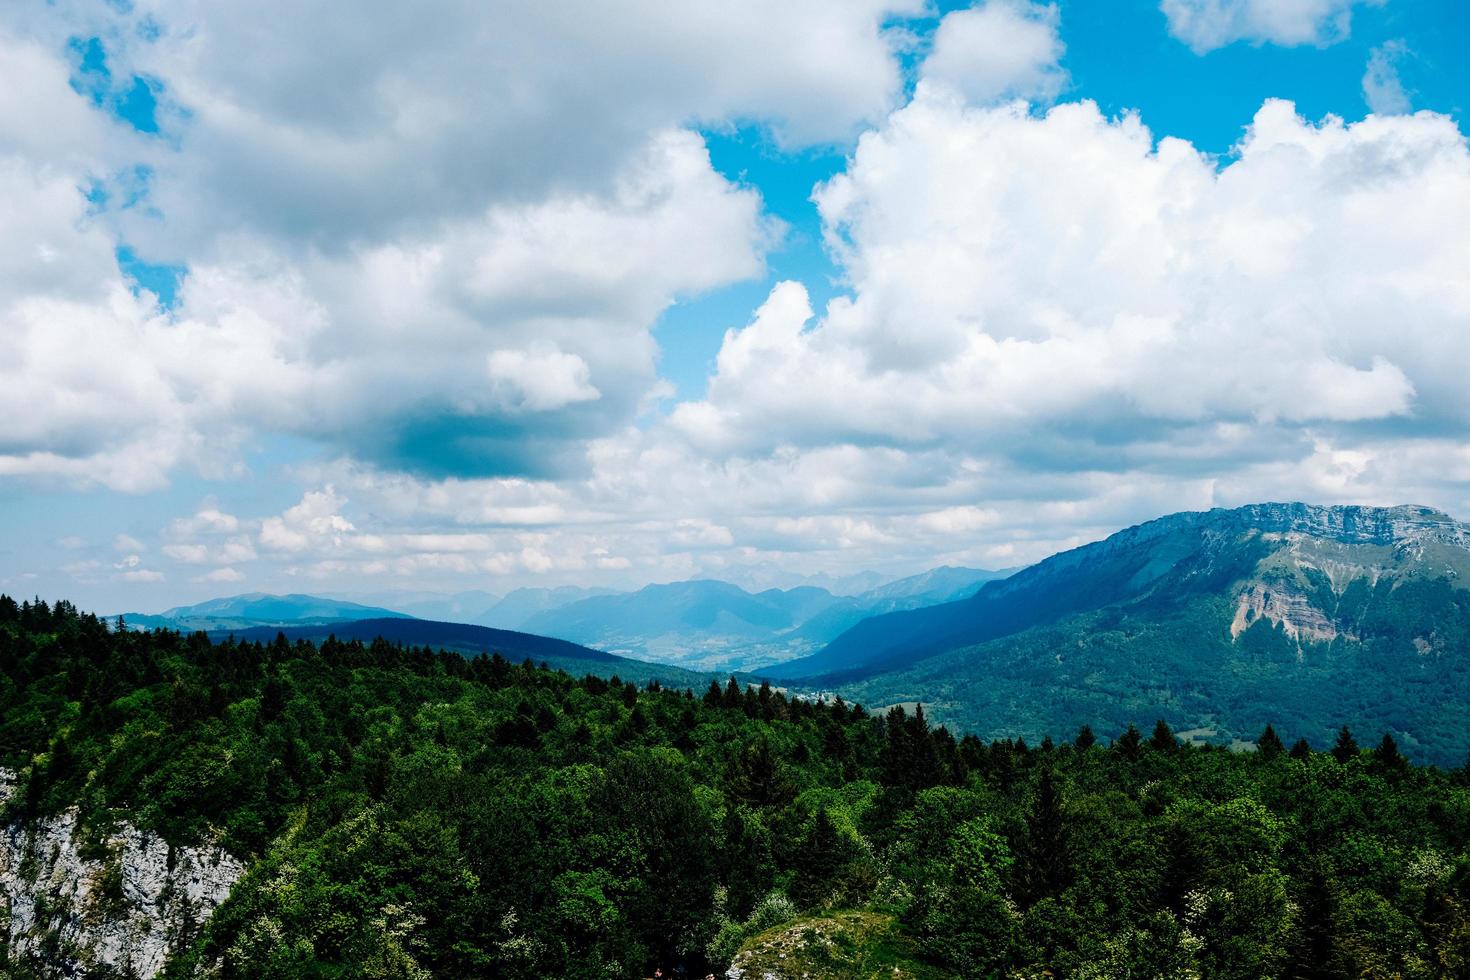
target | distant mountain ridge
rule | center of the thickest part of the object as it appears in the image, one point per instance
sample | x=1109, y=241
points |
x=1189, y=551
x=517, y=608
x=470, y=639
x=714, y=624
x=259, y=609
x=1220, y=620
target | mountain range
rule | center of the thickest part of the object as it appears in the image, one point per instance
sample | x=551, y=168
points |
x=1218, y=621
x=470, y=640
x=700, y=624
x=257, y=609
x=707, y=624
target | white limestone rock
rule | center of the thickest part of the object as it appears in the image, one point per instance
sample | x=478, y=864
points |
x=69, y=914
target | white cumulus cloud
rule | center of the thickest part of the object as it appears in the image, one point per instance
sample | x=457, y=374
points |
x=999, y=49
x=1205, y=25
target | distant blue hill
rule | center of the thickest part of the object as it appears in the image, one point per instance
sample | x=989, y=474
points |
x=469, y=639
x=259, y=609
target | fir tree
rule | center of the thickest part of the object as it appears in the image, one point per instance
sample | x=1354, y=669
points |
x=1387, y=755
x=1129, y=742
x=1163, y=739
x=1085, y=738
x=1044, y=868
x=1346, y=748
x=819, y=860
x=1269, y=744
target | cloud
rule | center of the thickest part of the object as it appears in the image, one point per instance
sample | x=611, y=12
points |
x=1205, y=25
x=126, y=542
x=314, y=521
x=997, y=50
x=317, y=133
x=189, y=554
x=1011, y=300
x=422, y=242
x=209, y=519
x=475, y=350
x=1383, y=90
x=222, y=575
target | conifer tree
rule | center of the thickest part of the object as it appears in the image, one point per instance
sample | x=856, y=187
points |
x=1269, y=744
x=1387, y=755
x=1044, y=868
x=819, y=860
x=1346, y=748
x=1300, y=749
x=1085, y=738
x=1163, y=739
x=1130, y=742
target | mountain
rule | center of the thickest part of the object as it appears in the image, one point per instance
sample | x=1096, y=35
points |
x=259, y=609
x=452, y=607
x=517, y=608
x=702, y=623
x=938, y=585
x=469, y=639
x=714, y=625
x=1219, y=621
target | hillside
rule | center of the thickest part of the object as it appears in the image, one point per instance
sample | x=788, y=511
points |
x=938, y=585
x=517, y=608
x=701, y=623
x=259, y=609
x=171, y=808
x=1217, y=620
x=469, y=640
x=716, y=625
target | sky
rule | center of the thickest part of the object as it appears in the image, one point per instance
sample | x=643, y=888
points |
x=453, y=296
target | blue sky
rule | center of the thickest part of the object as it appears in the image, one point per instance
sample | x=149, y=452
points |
x=294, y=310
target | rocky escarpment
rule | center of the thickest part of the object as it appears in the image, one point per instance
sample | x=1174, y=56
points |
x=122, y=905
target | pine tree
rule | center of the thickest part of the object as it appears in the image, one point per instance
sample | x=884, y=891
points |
x=1311, y=954
x=1387, y=754
x=1300, y=749
x=1129, y=742
x=1346, y=748
x=1085, y=738
x=1163, y=739
x=1045, y=868
x=759, y=779
x=819, y=860
x=1270, y=744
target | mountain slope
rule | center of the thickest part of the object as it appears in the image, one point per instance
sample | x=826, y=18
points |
x=517, y=608
x=469, y=639
x=1204, y=553
x=260, y=609
x=702, y=623
x=1218, y=621
x=938, y=585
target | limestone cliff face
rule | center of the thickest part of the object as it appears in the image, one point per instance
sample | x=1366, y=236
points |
x=70, y=910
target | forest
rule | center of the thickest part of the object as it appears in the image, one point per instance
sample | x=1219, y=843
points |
x=412, y=813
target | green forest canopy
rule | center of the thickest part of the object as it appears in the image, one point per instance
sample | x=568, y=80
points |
x=413, y=813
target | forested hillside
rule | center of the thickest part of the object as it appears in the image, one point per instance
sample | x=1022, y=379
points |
x=1221, y=621
x=405, y=813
